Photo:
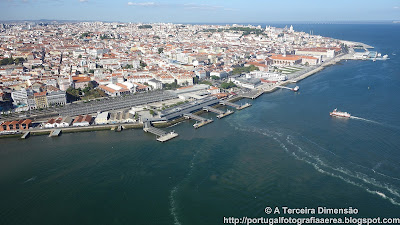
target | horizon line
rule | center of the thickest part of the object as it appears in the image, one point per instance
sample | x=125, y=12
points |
x=254, y=22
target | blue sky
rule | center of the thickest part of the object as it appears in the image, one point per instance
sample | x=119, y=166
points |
x=201, y=11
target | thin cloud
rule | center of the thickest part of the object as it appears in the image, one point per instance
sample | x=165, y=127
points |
x=83, y=0
x=396, y=7
x=201, y=6
x=142, y=3
x=188, y=6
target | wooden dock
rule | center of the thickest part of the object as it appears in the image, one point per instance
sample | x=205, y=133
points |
x=162, y=136
x=244, y=106
x=26, y=135
x=167, y=137
x=200, y=120
x=202, y=123
x=238, y=107
x=227, y=113
x=221, y=114
x=55, y=133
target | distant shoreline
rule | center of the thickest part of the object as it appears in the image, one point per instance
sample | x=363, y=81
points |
x=206, y=23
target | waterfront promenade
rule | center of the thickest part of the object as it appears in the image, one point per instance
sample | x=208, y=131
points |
x=298, y=76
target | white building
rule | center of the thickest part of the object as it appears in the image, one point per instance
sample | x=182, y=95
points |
x=82, y=121
x=220, y=74
x=155, y=84
x=266, y=76
x=246, y=83
x=56, y=98
x=66, y=122
x=20, y=97
x=59, y=122
x=184, y=80
x=102, y=118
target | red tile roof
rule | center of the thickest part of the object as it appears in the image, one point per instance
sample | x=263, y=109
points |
x=288, y=57
x=40, y=94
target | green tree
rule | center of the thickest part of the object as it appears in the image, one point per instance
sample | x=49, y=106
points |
x=86, y=90
x=7, y=61
x=171, y=86
x=206, y=82
x=248, y=69
x=215, y=77
x=196, y=80
x=226, y=85
x=19, y=60
x=160, y=50
x=128, y=66
x=142, y=64
x=145, y=27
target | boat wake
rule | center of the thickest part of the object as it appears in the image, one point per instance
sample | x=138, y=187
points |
x=173, y=193
x=30, y=179
x=329, y=163
x=375, y=122
x=359, y=118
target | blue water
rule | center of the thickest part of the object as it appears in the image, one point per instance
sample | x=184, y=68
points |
x=285, y=150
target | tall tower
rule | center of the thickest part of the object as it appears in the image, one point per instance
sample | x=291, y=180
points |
x=291, y=28
x=70, y=81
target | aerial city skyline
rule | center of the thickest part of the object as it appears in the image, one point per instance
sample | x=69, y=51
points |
x=199, y=112
x=200, y=11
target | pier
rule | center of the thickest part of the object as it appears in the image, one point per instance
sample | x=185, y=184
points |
x=253, y=94
x=55, y=133
x=221, y=114
x=238, y=107
x=162, y=136
x=258, y=94
x=26, y=135
x=200, y=120
x=187, y=108
x=292, y=89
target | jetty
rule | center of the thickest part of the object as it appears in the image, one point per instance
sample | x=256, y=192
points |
x=221, y=114
x=162, y=136
x=253, y=94
x=26, y=135
x=292, y=89
x=55, y=133
x=234, y=105
x=200, y=120
x=258, y=94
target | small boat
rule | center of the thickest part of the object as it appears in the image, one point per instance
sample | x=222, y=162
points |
x=337, y=113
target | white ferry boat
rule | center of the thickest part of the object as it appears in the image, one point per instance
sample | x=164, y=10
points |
x=339, y=114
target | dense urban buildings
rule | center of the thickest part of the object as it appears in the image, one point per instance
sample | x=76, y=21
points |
x=46, y=67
